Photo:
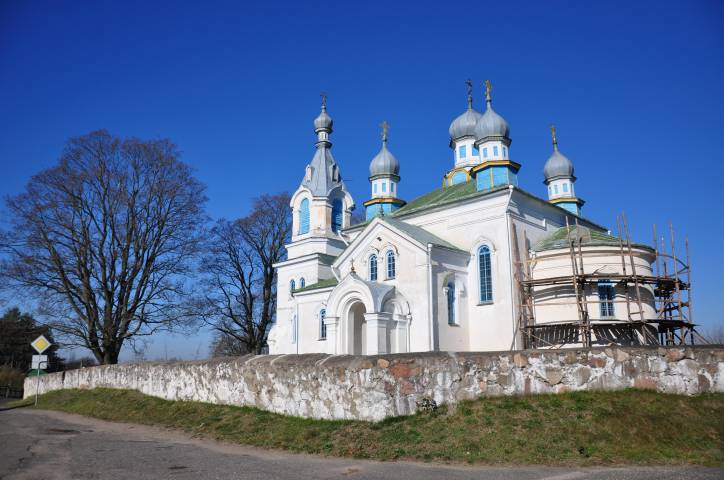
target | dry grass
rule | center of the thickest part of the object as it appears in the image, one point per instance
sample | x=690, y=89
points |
x=583, y=428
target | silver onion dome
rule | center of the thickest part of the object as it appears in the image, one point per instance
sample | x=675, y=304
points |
x=323, y=121
x=384, y=163
x=557, y=165
x=491, y=124
x=464, y=125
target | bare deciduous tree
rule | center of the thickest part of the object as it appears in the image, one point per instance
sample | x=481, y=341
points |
x=104, y=238
x=239, y=301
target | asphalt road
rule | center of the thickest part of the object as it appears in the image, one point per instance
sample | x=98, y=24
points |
x=51, y=445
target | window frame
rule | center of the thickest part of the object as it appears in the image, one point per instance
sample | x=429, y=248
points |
x=606, y=296
x=452, y=307
x=485, y=284
x=322, y=326
x=372, y=266
x=390, y=265
x=304, y=217
x=302, y=282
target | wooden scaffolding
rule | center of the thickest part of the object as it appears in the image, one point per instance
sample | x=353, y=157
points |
x=672, y=323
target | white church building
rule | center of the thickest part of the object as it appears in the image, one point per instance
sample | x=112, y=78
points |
x=437, y=273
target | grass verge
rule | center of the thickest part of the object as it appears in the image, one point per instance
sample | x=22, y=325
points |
x=581, y=428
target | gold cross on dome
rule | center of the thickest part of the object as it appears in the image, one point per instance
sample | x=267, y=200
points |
x=469, y=84
x=384, y=126
x=553, y=135
x=324, y=99
x=488, y=88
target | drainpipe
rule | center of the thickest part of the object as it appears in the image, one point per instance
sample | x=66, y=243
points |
x=430, y=298
x=341, y=237
x=346, y=244
x=510, y=265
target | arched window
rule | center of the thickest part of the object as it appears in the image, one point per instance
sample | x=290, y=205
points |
x=485, y=274
x=322, y=326
x=304, y=216
x=451, y=302
x=459, y=177
x=391, y=264
x=336, y=214
x=372, y=268
x=302, y=283
x=292, y=286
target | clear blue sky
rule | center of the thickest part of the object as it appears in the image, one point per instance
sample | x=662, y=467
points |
x=635, y=89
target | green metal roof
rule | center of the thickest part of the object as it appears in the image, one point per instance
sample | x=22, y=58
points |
x=461, y=191
x=562, y=237
x=329, y=282
x=419, y=233
x=440, y=196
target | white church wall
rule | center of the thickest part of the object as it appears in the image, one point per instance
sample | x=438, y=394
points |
x=469, y=226
x=449, y=266
x=308, y=307
x=328, y=245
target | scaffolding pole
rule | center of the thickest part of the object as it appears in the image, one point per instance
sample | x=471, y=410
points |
x=672, y=323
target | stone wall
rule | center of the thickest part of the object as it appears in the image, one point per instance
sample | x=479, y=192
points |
x=375, y=387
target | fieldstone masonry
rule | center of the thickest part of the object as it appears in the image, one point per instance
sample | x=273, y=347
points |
x=376, y=387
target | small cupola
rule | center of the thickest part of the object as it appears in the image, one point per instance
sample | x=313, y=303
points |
x=384, y=181
x=491, y=125
x=559, y=178
x=462, y=142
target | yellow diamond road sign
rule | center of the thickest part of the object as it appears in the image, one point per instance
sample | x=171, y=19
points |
x=40, y=344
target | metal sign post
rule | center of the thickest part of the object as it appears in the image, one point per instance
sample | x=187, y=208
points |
x=40, y=345
x=37, y=383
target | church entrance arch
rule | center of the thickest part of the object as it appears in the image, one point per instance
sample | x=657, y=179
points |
x=357, y=328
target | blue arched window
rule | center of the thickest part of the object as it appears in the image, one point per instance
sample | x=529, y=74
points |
x=322, y=326
x=451, y=302
x=292, y=286
x=302, y=283
x=372, y=268
x=336, y=215
x=304, y=216
x=391, y=264
x=459, y=177
x=485, y=274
